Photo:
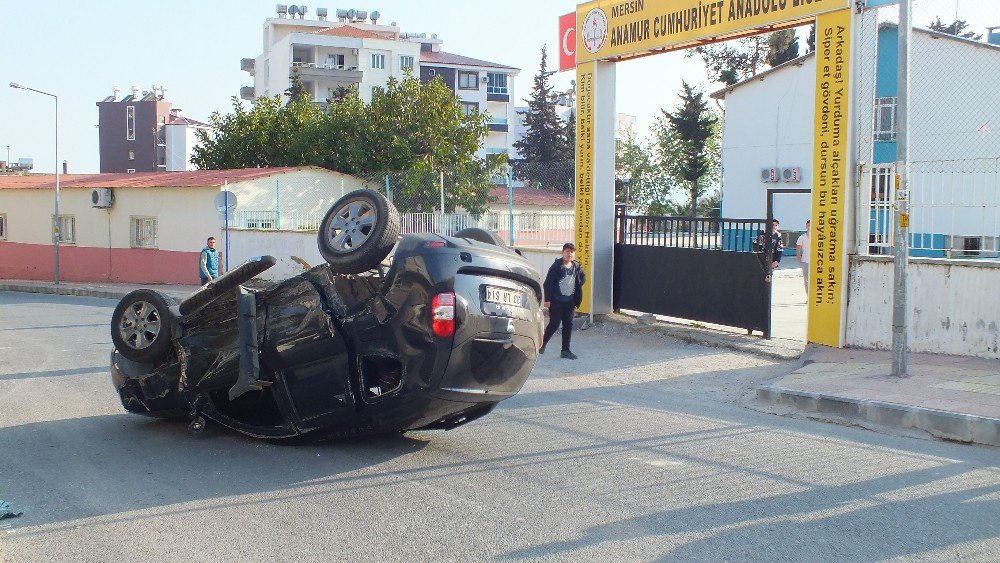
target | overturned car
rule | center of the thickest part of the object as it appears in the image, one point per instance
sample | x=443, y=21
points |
x=348, y=348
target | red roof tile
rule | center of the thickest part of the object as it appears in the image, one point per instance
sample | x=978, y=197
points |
x=351, y=31
x=440, y=57
x=194, y=178
x=531, y=196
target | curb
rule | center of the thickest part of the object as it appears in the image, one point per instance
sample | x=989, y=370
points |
x=944, y=425
x=56, y=290
x=704, y=337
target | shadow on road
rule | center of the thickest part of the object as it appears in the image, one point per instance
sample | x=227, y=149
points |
x=123, y=462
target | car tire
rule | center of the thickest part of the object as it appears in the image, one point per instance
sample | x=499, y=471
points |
x=358, y=232
x=141, y=325
x=481, y=235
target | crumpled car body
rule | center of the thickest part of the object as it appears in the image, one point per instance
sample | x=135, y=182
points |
x=450, y=330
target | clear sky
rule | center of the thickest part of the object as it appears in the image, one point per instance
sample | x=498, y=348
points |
x=80, y=50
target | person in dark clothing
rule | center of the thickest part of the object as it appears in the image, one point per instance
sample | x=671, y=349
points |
x=776, y=246
x=563, y=293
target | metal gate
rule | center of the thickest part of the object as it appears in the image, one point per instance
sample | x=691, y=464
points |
x=703, y=269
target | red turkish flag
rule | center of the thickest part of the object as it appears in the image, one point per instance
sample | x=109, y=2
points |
x=567, y=42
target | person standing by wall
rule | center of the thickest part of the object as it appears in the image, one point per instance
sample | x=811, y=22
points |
x=208, y=268
x=563, y=293
x=802, y=253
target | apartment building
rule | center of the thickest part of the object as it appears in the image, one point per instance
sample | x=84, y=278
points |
x=142, y=133
x=357, y=50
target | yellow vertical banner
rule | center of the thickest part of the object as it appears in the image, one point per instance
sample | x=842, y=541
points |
x=831, y=179
x=585, y=77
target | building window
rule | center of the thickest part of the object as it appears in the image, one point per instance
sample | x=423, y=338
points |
x=67, y=229
x=431, y=72
x=130, y=123
x=3, y=226
x=143, y=232
x=335, y=60
x=470, y=108
x=405, y=62
x=885, y=119
x=131, y=155
x=468, y=80
x=130, y=171
x=496, y=83
x=378, y=60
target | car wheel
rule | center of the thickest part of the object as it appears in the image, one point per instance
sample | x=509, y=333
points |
x=358, y=232
x=481, y=235
x=141, y=325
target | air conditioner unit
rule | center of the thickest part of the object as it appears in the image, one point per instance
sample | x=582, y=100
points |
x=792, y=174
x=102, y=198
x=485, y=79
x=768, y=175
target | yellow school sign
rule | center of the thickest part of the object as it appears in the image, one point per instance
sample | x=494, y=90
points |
x=610, y=31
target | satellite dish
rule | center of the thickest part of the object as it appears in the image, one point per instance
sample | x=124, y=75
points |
x=351, y=13
x=375, y=16
x=302, y=10
x=293, y=10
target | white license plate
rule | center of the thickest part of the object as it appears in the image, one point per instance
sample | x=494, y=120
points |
x=504, y=296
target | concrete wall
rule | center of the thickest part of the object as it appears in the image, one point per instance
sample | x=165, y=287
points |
x=245, y=244
x=954, y=305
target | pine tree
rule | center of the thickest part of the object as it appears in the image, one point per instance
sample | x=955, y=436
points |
x=956, y=28
x=735, y=60
x=782, y=47
x=297, y=90
x=545, y=138
x=811, y=39
x=692, y=125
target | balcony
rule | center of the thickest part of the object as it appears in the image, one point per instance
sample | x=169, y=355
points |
x=248, y=65
x=247, y=93
x=338, y=73
x=498, y=124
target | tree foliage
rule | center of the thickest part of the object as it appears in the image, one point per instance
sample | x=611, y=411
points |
x=735, y=60
x=782, y=47
x=688, y=139
x=545, y=136
x=956, y=28
x=640, y=179
x=409, y=127
x=811, y=39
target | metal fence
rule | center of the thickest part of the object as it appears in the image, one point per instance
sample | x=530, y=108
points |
x=735, y=235
x=954, y=172
x=954, y=208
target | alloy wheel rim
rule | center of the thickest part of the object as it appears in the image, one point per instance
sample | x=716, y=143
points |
x=352, y=226
x=140, y=325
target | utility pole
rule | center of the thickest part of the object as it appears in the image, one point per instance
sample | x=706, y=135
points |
x=901, y=224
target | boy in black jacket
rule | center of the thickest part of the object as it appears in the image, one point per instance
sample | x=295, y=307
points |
x=563, y=294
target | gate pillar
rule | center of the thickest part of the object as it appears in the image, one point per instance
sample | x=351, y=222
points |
x=595, y=182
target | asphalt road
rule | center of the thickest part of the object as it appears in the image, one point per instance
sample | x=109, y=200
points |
x=640, y=450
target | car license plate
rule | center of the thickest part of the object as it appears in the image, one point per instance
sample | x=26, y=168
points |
x=506, y=297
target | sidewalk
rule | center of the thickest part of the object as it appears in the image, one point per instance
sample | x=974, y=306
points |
x=86, y=289
x=949, y=397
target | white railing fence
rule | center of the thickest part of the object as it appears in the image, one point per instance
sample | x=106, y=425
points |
x=954, y=208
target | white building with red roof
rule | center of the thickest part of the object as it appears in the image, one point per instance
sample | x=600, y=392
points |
x=145, y=227
x=357, y=52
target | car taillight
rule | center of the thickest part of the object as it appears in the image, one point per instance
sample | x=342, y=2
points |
x=443, y=314
x=435, y=244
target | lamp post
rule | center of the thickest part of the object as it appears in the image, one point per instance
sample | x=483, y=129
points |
x=56, y=226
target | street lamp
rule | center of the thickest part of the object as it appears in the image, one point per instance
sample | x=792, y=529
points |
x=56, y=227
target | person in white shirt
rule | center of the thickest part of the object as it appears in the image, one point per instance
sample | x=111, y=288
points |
x=802, y=253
